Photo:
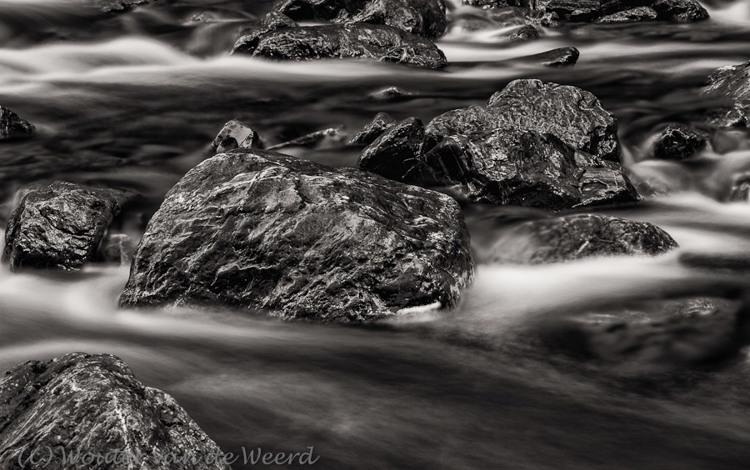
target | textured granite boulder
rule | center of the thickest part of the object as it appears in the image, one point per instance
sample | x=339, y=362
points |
x=731, y=85
x=60, y=226
x=578, y=236
x=249, y=37
x=257, y=229
x=236, y=134
x=352, y=41
x=93, y=412
x=678, y=143
x=12, y=126
x=423, y=17
x=379, y=124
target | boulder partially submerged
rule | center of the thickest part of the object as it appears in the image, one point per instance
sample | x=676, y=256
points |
x=573, y=237
x=236, y=134
x=535, y=144
x=59, y=226
x=94, y=409
x=677, y=142
x=352, y=41
x=374, y=129
x=731, y=86
x=12, y=126
x=262, y=230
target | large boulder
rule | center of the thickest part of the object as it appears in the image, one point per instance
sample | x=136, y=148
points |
x=395, y=152
x=535, y=144
x=257, y=229
x=93, y=410
x=12, y=126
x=731, y=85
x=574, y=237
x=59, y=226
x=374, y=42
x=423, y=17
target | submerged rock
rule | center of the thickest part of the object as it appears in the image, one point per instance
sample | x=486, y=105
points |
x=560, y=57
x=93, y=404
x=331, y=137
x=422, y=17
x=578, y=236
x=374, y=42
x=379, y=124
x=12, y=126
x=679, y=143
x=258, y=229
x=731, y=85
x=236, y=134
x=59, y=226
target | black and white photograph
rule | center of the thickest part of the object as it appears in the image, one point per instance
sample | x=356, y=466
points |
x=375, y=234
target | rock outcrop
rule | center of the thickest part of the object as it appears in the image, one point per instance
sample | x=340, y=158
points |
x=352, y=41
x=91, y=409
x=574, y=237
x=257, y=229
x=731, y=86
x=60, y=226
x=535, y=144
x=12, y=126
x=422, y=17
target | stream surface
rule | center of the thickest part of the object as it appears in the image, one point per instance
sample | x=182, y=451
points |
x=133, y=101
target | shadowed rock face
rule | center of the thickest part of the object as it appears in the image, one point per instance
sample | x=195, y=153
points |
x=236, y=134
x=422, y=17
x=12, y=126
x=94, y=404
x=732, y=84
x=678, y=143
x=394, y=154
x=108, y=6
x=264, y=230
x=578, y=236
x=375, y=42
x=379, y=124
x=59, y=226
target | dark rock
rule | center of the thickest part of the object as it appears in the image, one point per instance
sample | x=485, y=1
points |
x=680, y=11
x=570, y=10
x=524, y=33
x=94, y=404
x=326, y=138
x=578, y=236
x=571, y=114
x=236, y=134
x=630, y=16
x=379, y=124
x=731, y=85
x=560, y=57
x=374, y=42
x=678, y=143
x=422, y=17
x=395, y=153
x=59, y=226
x=247, y=41
x=12, y=126
x=110, y=6
x=263, y=230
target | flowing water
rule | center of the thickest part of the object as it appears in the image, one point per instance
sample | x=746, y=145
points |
x=133, y=100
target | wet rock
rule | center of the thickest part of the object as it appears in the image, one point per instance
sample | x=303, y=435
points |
x=630, y=16
x=395, y=153
x=326, y=138
x=379, y=124
x=236, y=134
x=248, y=39
x=59, y=226
x=679, y=143
x=731, y=85
x=570, y=10
x=422, y=17
x=560, y=57
x=523, y=34
x=391, y=94
x=354, y=41
x=574, y=237
x=301, y=240
x=94, y=404
x=12, y=126
x=109, y=6
x=680, y=11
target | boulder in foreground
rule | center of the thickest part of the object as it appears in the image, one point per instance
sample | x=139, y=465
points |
x=93, y=404
x=257, y=229
x=574, y=237
x=59, y=226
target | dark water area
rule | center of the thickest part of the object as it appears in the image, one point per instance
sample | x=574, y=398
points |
x=133, y=101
